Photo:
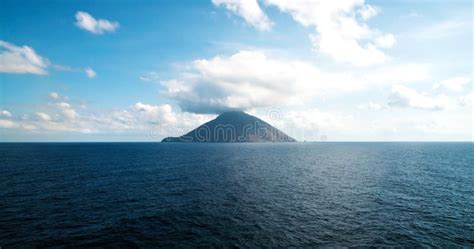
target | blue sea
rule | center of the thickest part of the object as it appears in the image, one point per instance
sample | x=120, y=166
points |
x=236, y=195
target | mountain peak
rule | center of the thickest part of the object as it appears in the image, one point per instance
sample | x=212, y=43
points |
x=234, y=126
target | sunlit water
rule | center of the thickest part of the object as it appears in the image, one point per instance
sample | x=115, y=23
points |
x=272, y=195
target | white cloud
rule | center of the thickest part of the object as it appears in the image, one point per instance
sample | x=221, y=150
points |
x=43, y=116
x=385, y=41
x=339, y=33
x=68, y=111
x=404, y=73
x=245, y=80
x=90, y=72
x=371, y=106
x=158, y=121
x=64, y=105
x=467, y=100
x=434, y=127
x=402, y=96
x=411, y=125
x=5, y=123
x=150, y=77
x=454, y=84
x=153, y=121
x=447, y=123
x=21, y=60
x=87, y=22
x=25, y=60
x=5, y=113
x=310, y=124
x=249, y=10
x=368, y=11
x=165, y=112
x=54, y=95
x=12, y=124
x=251, y=79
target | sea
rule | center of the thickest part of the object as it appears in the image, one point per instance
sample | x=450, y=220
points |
x=304, y=195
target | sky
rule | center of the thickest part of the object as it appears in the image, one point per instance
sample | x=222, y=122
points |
x=347, y=70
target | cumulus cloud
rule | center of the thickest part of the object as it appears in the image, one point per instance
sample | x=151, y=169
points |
x=5, y=123
x=249, y=10
x=96, y=26
x=58, y=117
x=43, y=116
x=90, y=72
x=368, y=11
x=339, y=33
x=252, y=79
x=5, y=113
x=247, y=79
x=154, y=121
x=53, y=95
x=402, y=96
x=455, y=84
x=165, y=112
x=21, y=60
x=68, y=111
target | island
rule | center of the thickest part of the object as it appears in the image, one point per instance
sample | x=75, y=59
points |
x=233, y=127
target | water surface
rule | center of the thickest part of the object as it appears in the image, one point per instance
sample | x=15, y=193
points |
x=295, y=194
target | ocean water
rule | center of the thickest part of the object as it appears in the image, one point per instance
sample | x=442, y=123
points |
x=243, y=195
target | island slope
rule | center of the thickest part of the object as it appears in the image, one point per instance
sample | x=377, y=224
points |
x=235, y=126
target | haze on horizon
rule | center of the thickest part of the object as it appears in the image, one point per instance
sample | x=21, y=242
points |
x=349, y=70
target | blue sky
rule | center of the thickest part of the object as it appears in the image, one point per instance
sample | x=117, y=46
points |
x=144, y=70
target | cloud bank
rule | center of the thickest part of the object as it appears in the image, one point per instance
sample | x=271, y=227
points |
x=244, y=80
x=60, y=115
x=252, y=79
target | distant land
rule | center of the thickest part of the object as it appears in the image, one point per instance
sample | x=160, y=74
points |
x=234, y=126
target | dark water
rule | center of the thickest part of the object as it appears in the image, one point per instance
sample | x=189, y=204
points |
x=273, y=195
